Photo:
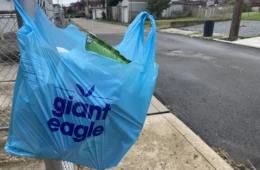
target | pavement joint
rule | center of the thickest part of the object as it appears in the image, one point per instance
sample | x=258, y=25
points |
x=160, y=113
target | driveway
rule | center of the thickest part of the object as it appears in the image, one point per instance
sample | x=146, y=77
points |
x=99, y=27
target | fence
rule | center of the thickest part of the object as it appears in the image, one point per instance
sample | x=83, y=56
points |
x=9, y=58
x=173, y=10
x=9, y=62
x=216, y=11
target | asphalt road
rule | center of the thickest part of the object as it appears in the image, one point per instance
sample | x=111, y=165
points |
x=214, y=88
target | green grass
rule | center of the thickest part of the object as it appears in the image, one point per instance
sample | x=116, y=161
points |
x=178, y=20
x=165, y=23
x=255, y=16
x=114, y=22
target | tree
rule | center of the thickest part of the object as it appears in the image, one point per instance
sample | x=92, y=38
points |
x=156, y=7
x=70, y=10
x=103, y=2
x=114, y=2
x=246, y=5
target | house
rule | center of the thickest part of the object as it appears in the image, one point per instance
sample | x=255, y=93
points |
x=215, y=2
x=97, y=12
x=6, y=5
x=78, y=6
x=47, y=7
x=58, y=15
x=7, y=17
x=255, y=4
x=175, y=8
x=56, y=8
x=131, y=8
x=92, y=4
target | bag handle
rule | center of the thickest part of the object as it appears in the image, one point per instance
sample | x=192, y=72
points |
x=27, y=9
x=135, y=36
x=150, y=46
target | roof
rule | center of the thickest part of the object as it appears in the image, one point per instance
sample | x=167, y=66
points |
x=54, y=5
x=255, y=2
x=94, y=3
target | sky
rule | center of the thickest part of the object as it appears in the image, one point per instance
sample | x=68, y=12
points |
x=64, y=2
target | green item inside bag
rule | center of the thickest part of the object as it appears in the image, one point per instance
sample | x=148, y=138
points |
x=100, y=47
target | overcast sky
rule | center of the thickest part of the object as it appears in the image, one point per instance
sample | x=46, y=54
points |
x=64, y=2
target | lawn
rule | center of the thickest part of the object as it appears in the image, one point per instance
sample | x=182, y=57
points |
x=165, y=23
x=255, y=16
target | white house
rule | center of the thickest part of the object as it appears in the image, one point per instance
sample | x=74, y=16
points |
x=47, y=6
x=6, y=5
x=175, y=8
x=131, y=8
x=58, y=13
x=97, y=12
x=7, y=17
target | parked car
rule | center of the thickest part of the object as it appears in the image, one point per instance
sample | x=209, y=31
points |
x=77, y=16
x=72, y=16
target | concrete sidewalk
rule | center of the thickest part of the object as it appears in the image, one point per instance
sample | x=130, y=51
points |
x=249, y=42
x=167, y=143
x=98, y=27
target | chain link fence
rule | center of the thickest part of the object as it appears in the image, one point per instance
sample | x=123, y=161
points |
x=9, y=62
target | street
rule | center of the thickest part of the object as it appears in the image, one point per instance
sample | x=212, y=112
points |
x=214, y=88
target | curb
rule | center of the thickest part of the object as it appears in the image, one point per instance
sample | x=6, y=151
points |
x=228, y=42
x=214, y=39
x=207, y=152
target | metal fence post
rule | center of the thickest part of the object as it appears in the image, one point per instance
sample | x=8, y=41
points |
x=30, y=7
x=53, y=165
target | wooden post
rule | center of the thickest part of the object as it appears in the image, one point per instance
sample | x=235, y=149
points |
x=234, y=29
x=86, y=7
x=107, y=7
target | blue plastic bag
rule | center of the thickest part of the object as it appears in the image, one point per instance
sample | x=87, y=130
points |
x=78, y=106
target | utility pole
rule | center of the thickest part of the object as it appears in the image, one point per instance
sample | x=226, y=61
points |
x=237, y=12
x=86, y=7
x=107, y=5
